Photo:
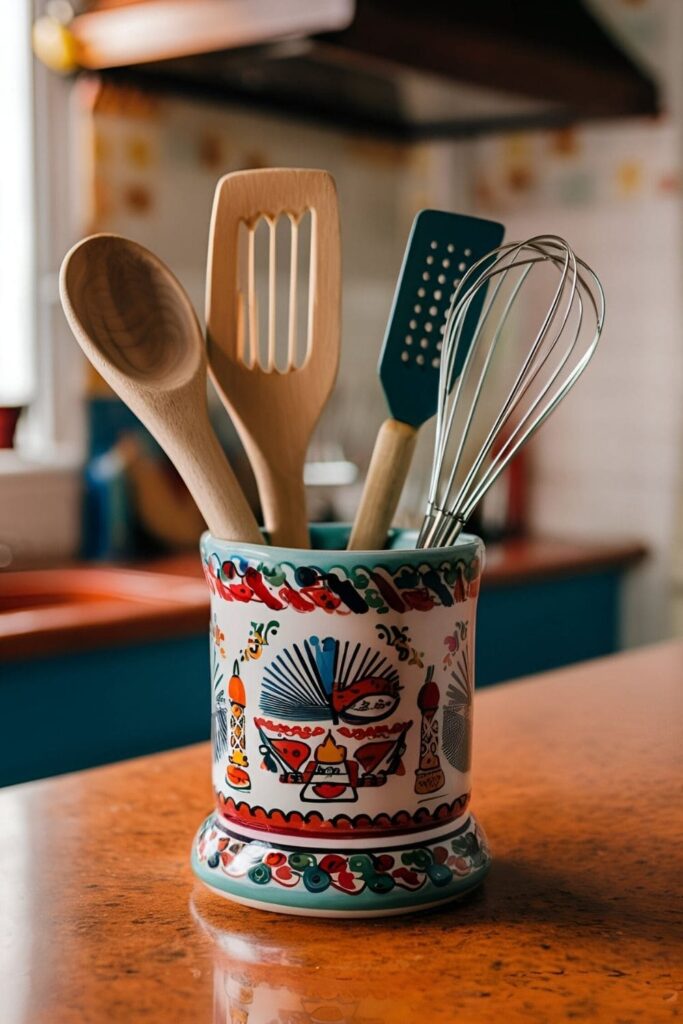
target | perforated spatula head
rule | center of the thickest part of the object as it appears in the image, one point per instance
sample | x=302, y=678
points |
x=441, y=247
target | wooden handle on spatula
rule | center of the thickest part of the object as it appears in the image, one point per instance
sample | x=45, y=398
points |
x=387, y=473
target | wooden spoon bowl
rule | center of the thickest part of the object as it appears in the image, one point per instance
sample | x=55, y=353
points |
x=134, y=317
x=136, y=325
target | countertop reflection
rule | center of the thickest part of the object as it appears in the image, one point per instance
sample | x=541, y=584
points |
x=261, y=977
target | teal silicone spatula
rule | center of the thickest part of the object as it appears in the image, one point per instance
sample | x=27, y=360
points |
x=441, y=247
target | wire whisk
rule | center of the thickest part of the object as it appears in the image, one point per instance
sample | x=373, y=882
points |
x=563, y=343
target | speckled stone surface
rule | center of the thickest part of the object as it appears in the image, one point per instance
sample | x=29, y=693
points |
x=577, y=782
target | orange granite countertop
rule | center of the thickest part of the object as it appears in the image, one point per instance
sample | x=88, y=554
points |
x=577, y=783
x=52, y=611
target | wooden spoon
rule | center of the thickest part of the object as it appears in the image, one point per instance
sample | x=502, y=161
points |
x=274, y=402
x=137, y=327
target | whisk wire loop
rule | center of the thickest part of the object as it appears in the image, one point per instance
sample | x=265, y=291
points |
x=553, y=361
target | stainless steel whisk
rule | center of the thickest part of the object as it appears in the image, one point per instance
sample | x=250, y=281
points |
x=567, y=336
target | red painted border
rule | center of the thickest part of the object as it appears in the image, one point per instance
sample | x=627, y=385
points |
x=362, y=825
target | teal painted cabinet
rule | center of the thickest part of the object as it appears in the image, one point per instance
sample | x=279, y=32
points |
x=539, y=625
x=73, y=711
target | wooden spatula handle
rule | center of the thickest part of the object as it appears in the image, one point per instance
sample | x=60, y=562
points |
x=283, y=497
x=388, y=469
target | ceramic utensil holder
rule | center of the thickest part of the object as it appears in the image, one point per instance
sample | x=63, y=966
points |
x=341, y=726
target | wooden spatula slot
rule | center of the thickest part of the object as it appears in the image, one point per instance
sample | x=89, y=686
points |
x=274, y=291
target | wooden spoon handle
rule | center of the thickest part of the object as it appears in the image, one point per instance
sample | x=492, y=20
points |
x=195, y=452
x=180, y=423
x=387, y=473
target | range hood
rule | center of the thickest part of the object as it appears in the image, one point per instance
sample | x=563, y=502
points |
x=403, y=70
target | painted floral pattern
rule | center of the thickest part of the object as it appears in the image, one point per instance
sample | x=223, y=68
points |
x=399, y=638
x=218, y=637
x=454, y=642
x=341, y=590
x=259, y=636
x=449, y=859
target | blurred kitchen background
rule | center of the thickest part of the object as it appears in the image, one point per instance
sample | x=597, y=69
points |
x=563, y=118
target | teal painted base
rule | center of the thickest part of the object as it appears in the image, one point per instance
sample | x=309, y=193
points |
x=344, y=877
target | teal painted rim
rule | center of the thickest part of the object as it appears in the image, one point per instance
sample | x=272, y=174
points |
x=328, y=550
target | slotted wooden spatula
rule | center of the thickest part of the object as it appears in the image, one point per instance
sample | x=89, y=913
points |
x=441, y=247
x=273, y=387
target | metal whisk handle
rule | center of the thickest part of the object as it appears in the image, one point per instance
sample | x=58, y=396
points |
x=446, y=521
